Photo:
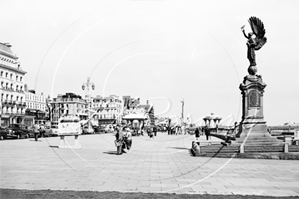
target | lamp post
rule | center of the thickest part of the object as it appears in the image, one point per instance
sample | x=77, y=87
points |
x=182, y=112
x=87, y=85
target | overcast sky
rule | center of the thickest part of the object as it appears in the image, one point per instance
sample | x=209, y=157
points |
x=164, y=51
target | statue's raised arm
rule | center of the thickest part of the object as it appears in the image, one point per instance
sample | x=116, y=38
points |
x=256, y=38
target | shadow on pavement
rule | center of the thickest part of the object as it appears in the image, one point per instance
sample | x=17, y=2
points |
x=181, y=148
x=111, y=152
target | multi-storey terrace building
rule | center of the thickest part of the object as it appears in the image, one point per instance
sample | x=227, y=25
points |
x=70, y=104
x=13, y=106
x=109, y=109
x=36, y=107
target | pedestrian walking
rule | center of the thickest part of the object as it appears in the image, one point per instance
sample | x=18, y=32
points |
x=36, y=131
x=128, y=139
x=197, y=136
x=155, y=130
x=207, y=133
x=42, y=130
x=119, y=141
x=150, y=133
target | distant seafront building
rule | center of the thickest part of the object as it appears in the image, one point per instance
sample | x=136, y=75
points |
x=13, y=106
x=36, y=107
x=68, y=103
x=108, y=109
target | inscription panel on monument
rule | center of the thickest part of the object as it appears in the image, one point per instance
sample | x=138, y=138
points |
x=254, y=99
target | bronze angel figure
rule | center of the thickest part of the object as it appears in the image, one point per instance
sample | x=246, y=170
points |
x=256, y=38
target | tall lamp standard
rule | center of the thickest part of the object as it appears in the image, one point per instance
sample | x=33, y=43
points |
x=182, y=117
x=87, y=85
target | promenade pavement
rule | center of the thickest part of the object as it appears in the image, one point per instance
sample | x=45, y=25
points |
x=162, y=165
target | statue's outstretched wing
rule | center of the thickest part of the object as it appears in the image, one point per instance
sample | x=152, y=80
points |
x=258, y=29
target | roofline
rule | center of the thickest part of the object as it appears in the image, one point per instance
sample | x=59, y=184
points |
x=8, y=54
x=14, y=69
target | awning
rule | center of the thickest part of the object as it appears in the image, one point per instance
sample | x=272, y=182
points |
x=134, y=116
x=5, y=116
x=83, y=121
x=31, y=110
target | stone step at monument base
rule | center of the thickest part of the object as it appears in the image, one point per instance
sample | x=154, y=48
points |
x=220, y=150
x=257, y=142
x=293, y=148
x=270, y=155
x=255, y=137
x=263, y=148
x=215, y=149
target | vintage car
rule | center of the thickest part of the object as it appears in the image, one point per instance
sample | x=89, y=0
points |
x=4, y=133
x=20, y=131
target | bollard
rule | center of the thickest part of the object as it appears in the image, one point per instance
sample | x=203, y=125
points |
x=77, y=145
x=286, y=147
x=242, y=148
x=62, y=141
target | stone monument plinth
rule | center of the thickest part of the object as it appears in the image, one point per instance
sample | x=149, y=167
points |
x=252, y=89
x=253, y=127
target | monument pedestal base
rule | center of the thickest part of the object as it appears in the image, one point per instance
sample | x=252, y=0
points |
x=255, y=134
x=64, y=145
x=253, y=128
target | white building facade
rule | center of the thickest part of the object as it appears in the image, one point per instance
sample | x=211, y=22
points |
x=109, y=109
x=13, y=106
x=36, y=108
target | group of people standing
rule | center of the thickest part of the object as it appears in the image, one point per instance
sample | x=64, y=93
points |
x=39, y=130
x=176, y=130
x=123, y=136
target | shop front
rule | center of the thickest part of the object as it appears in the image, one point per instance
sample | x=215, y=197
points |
x=5, y=120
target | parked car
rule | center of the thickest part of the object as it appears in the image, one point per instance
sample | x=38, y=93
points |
x=99, y=129
x=53, y=130
x=87, y=130
x=4, y=133
x=20, y=131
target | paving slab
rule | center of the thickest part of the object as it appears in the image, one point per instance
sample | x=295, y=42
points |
x=162, y=165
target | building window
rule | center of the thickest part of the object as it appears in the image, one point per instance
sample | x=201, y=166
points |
x=17, y=77
x=1, y=73
x=11, y=76
x=20, y=79
x=6, y=74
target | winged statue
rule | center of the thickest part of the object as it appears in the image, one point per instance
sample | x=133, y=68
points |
x=256, y=38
